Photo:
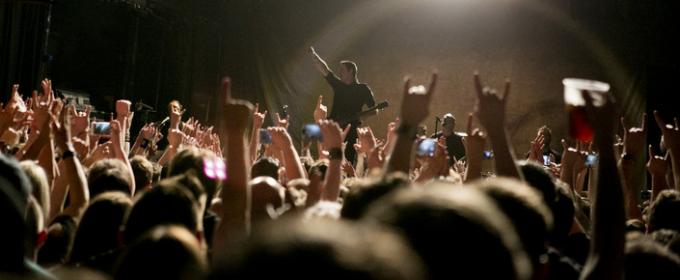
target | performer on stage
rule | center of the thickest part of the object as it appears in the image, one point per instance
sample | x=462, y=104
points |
x=349, y=98
x=454, y=142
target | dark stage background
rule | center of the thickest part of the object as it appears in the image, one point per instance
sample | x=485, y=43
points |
x=155, y=51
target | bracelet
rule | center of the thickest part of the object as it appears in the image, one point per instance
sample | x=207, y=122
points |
x=335, y=154
x=406, y=130
x=626, y=156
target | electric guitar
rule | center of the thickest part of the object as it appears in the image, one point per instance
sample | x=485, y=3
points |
x=363, y=114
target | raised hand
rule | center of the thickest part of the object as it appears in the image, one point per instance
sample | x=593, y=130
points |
x=175, y=137
x=320, y=111
x=62, y=130
x=670, y=132
x=280, y=138
x=656, y=165
x=48, y=94
x=474, y=144
x=81, y=121
x=415, y=105
x=175, y=118
x=332, y=135
x=365, y=140
x=490, y=107
x=237, y=113
x=42, y=107
x=475, y=141
x=634, y=138
x=376, y=158
x=536, y=149
x=437, y=165
x=258, y=118
x=282, y=122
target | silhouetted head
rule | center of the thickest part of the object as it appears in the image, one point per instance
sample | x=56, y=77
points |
x=456, y=231
x=348, y=72
x=294, y=249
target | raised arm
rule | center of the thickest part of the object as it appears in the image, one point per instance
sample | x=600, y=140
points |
x=474, y=144
x=291, y=160
x=657, y=167
x=319, y=63
x=415, y=107
x=73, y=172
x=258, y=120
x=632, y=166
x=235, y=219
x=332, y=140
x=605, y=260
x=671, y=136
x=119, y=152
x=490, y=111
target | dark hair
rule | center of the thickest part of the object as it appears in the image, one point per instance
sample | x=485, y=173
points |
x=165, y=252
x=265, y=166
x=164, y=204
x=547, y=134
x=540, y=179
x=287, y=248
x=366, y=191
x=663, y=213
x=455, y=230
x=14, y=191
x=108, y=175
x=320, y=167
x=525, y=208
x=556, y=197
x=143, y=170
x=351, y=66
x=191, y=159
x=646, y=259
x=99, y=228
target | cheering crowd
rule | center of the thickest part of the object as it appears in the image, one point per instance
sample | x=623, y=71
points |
x=239, y=200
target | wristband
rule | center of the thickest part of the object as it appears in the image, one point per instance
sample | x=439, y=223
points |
x=67, y=154
x=626, y=156
x=406, y=130
x=335, y=154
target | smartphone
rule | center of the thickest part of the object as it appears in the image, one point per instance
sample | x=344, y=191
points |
x=546, y=160
x=312, y=131
x=214, y=168
x=487, y=155
x=426, y=147
x=101, y=128
x=591, y=160
x=265, y=137
x=284, y=111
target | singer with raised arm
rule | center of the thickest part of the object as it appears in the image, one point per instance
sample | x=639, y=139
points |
x=349, y=98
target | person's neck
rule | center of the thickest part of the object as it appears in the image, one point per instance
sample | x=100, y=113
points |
x=447, y=132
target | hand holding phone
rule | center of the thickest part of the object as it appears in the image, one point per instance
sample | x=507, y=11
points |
x=101, y=128
x=312, y=131
x=591, y=160
x=265, y=137
x=426, y=147
x=546, y=160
